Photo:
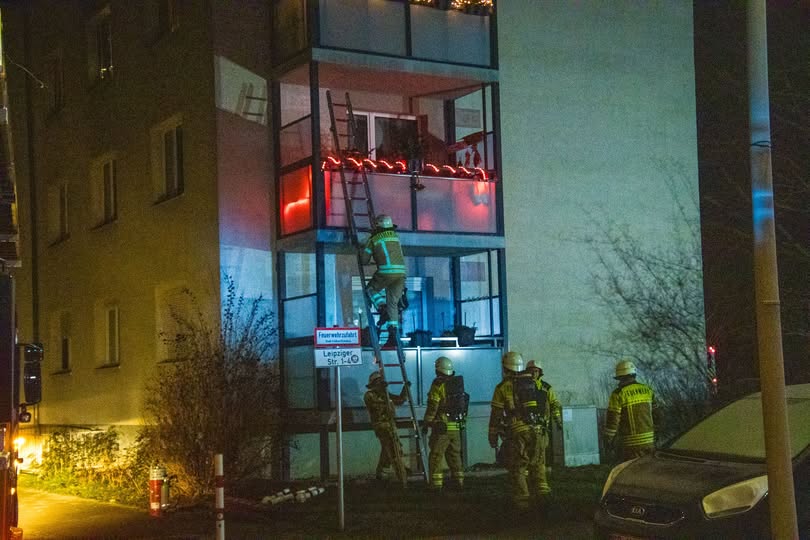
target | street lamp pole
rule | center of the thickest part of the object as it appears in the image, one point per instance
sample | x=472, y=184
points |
x=769, y=325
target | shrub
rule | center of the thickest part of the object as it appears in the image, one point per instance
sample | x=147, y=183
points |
x=219, y=396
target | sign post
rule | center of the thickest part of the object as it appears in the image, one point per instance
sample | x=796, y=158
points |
x=335, y=347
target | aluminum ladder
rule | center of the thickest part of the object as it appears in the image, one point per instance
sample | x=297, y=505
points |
x=360, y=214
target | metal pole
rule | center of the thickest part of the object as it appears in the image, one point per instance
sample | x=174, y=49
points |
x=769, y=327
x=219, y=505
x=339, y=430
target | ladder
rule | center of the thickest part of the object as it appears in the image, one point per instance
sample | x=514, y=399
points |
x=360, y=213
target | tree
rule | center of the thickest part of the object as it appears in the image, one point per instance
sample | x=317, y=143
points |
x=220, y=395
x=653, y=295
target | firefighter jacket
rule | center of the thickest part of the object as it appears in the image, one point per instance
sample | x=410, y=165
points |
x=437, y=405
x=380, y=410
x=553, y=408
x=384, y=248
x=629, y=415
x=504, y=419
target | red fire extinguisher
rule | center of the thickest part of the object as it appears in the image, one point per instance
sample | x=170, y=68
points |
x=157, y=478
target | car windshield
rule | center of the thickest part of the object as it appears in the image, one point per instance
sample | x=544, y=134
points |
x=735, y=431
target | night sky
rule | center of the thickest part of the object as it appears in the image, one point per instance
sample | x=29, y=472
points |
x=722, y=111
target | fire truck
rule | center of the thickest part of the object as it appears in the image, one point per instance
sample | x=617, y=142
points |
x=13, y=355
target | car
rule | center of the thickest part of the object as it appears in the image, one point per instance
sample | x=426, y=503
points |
x=709, y=482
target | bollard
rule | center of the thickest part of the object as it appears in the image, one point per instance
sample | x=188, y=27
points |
x=157, y=477
x=219, y=505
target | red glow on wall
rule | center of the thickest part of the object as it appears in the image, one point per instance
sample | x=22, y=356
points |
x=296, y=201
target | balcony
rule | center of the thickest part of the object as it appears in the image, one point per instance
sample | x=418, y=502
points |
x=450, y=31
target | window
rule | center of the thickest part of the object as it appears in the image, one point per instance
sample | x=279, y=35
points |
x=60, y=337
x=111, y=356
x=173, y=309
x=99, y=47
x=65, y=354
x=109, y=191
x=167, y=161
x=161, y=17
x=57, y=212
x=55, y=82
x=388, y=136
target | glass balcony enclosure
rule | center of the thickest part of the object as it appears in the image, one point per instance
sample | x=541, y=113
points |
x=426, y=143
x=420, y=29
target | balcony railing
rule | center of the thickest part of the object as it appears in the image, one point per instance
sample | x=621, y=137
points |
x=444, y=204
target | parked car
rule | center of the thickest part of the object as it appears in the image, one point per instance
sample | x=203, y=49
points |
x=711, y=481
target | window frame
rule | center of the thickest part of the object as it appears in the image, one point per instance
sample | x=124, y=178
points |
x=109, y=346
x=100, y=65
x=371, y=135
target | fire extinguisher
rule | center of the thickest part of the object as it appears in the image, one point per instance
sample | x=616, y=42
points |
x=157, y=479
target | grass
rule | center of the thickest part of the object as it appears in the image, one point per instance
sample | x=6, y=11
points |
x=483, y=508
x=381, y=509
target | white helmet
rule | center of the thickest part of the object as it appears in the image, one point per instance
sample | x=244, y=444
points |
x=512, y=361
x=444, y=365
x=534, y=364
x=374, y=379
x=624, y=368
x=384, y=221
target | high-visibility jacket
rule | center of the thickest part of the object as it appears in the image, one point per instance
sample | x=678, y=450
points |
x=380, y=410
x=437, y=399
x=383, y=246
x=553, y=408
x=504, y=409
x=629, y=415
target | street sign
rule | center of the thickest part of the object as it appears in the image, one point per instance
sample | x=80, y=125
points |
x=331, y=337
x=338, y=356
x=337, y=346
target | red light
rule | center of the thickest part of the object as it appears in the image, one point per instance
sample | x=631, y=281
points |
x=714, y=380
x=711, y=349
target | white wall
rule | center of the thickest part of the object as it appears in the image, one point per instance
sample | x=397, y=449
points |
x=593, y=93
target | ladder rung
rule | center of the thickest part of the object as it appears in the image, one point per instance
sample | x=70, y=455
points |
x=393, y=382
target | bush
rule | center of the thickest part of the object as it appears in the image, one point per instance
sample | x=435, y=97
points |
x=93, y=465
x=220, y=396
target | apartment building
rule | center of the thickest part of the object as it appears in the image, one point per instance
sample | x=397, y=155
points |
x=177, y=142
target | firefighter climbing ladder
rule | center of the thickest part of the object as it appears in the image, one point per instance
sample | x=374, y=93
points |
x=360, y=207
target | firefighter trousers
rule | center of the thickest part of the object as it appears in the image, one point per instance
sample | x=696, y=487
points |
x=527, y=464
x=445, y=446
x=393, y=285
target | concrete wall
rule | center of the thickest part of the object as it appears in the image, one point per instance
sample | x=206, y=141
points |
x=593, y=95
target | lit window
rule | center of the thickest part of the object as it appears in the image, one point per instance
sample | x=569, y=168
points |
x=99, y=46
x=109, y=192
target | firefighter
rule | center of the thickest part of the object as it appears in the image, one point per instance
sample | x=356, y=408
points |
x=629, y=418
x=445, y=416
x=522, y=446
x=388, y=282
x=549, y=410
x=382, y=413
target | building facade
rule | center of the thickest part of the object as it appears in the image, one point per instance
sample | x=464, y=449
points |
x=176, y=143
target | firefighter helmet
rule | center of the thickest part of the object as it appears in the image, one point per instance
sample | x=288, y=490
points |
x=384, y=221
x=512, y=361
x=374, y=379
x=534, y=364
x=444, y=365
x=625, y=368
